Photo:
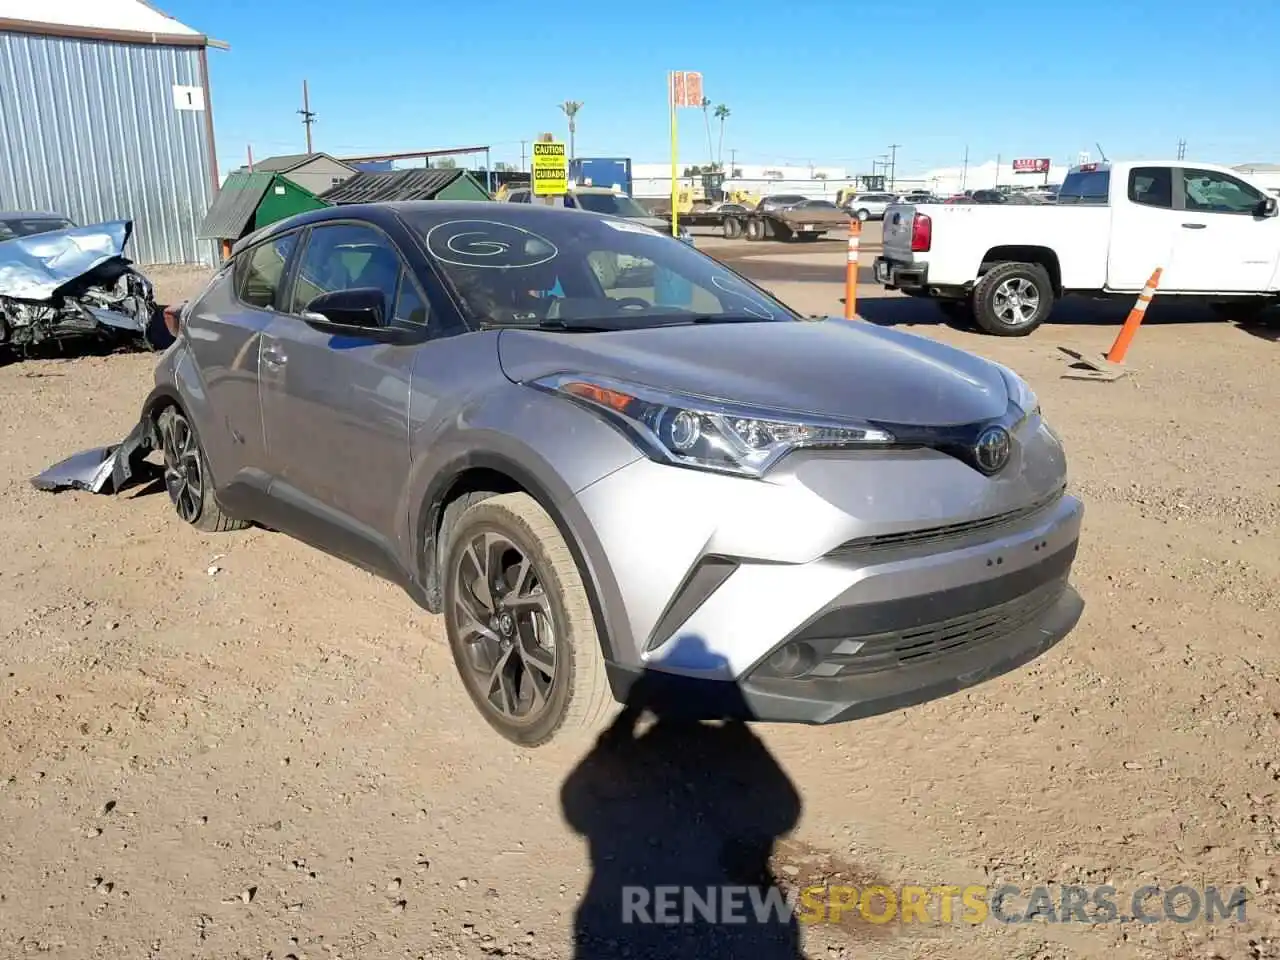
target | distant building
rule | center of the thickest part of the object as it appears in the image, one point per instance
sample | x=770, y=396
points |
x=105, y=114
x=251, y=201
x=316, y=172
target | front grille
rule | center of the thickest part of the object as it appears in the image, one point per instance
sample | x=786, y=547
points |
x=872, y=653
x=945, y=532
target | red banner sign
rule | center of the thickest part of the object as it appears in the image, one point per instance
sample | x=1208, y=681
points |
x=1031, y=166
x=686, y=89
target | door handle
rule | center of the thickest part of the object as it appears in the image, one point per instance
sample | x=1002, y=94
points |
x=1193, y=226
x=274, y=357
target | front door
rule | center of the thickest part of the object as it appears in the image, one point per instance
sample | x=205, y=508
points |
x=1227, y=247
x=335, y=407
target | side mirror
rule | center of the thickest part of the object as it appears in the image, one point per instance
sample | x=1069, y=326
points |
x=1268, y=207
x=362, y=308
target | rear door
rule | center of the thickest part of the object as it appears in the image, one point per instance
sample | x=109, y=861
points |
x=335, y=407
x=1145, y=231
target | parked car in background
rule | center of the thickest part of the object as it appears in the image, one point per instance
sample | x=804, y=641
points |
x=14, y=224
x=682, y=482
x=1215, y=233
x=870, y=206
x=608, y=201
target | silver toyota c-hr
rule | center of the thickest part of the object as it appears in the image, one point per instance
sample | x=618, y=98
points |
x=603, y=455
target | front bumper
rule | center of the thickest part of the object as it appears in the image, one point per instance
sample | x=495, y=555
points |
x=896, y=275
x=839, y=589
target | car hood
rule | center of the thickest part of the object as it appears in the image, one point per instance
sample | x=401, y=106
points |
x=34, y=267
x=831, y=368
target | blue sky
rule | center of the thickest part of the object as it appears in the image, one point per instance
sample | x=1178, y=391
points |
x=810, y=81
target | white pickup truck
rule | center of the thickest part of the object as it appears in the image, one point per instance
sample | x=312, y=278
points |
x=1214, y=232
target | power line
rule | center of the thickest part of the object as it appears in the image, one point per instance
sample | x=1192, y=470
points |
x=893, y=162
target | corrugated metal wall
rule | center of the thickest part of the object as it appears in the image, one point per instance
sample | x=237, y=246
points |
x=88, y=128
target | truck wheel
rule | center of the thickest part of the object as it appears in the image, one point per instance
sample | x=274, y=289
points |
x=1012, y=299
x=732, y=228
x=755, y=229
x=863, y=215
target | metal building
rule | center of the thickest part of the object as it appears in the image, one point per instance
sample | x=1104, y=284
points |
x=104, y=115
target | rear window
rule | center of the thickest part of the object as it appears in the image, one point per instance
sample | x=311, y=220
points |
x=1086, y=186
x=30, y=226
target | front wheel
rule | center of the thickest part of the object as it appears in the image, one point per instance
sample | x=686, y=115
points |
x=520, y=625
x=1012, y=299
x=863, y=215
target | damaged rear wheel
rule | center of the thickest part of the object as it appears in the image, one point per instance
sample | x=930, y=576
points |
x=186, y=475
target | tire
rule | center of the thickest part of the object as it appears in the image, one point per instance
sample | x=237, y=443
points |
x=1000, y=320
x=755, y=229
x=574, y=691
x=959, y=313
x=185, y=461
x=732, y=228
x=863, y=215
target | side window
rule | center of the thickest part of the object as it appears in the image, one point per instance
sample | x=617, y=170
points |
x=569, y=201
x=411, y=307
x=346, y=256
x=1151, y=186
x=1210, y=192
x=261, y=269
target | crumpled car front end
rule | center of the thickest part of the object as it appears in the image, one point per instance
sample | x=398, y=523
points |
x=74, y=283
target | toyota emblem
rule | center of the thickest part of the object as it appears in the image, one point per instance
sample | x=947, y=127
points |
x=992, y=449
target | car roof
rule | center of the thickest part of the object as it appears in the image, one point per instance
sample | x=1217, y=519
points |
x=439, y=211
x=32, y=215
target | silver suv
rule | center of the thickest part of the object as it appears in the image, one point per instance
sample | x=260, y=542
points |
x=597, y=474
x=870, y=206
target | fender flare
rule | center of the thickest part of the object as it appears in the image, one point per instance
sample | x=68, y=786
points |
x=594, y=576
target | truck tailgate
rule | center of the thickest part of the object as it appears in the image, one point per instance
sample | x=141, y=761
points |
x=897, y=231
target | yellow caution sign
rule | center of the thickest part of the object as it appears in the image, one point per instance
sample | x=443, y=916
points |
x=550, y=170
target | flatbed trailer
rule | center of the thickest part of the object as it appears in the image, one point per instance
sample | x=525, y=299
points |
x=801, y=225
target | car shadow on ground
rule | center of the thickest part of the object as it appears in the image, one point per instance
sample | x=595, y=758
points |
x=916, y=311
x=672, y=805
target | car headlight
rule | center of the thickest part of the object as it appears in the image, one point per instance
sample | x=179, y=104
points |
x=689, y=431
x=1020, y=393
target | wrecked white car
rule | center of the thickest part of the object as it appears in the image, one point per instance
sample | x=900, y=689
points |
x=72, y=283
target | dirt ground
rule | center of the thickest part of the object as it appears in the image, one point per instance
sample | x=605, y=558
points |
x=219, y=746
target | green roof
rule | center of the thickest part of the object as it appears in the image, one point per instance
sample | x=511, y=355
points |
x=234, y=206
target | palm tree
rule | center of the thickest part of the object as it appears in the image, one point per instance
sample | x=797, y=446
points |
x=706, y=118
x=571, y=108
x=722, y=114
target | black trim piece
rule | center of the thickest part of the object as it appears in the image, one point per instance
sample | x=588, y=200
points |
x=707, y=576
x=956, y=440
x=945, y=532
x=909, y=613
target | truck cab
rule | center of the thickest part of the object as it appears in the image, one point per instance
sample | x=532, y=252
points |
x=1214, y=234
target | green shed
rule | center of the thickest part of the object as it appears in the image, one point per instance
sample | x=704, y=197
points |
x=430, y=183
x=250, y=201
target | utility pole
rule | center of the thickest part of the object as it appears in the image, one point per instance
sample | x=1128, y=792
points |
x=1182, y=149
x=893, y=163
x=964, y=171
x=308, y=118
x=733, y=160
x=998, y=169
x=522, y=155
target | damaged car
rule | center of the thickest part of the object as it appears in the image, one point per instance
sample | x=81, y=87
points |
x=601, y=479
x=58, y=280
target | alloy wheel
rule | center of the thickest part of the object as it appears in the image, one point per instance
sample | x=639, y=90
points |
x=1016, y=301
x=505, y=625
x=183, y=471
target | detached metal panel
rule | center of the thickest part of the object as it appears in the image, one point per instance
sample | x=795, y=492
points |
x=101, y=130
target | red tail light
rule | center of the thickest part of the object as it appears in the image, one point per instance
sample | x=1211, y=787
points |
x=921, y=233
x=173, y=318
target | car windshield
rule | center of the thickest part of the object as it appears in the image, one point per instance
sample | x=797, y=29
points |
x=13, y=227
x=614, y=204
x=820, y=204
x=532, y=266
